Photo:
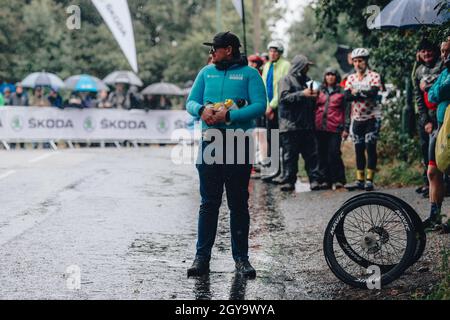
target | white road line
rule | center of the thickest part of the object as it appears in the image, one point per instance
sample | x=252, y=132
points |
x=7, y=174
x=42, y=157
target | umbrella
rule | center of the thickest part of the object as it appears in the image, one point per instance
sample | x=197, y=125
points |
x=5, y=85
x=164, y=89
x=44, y=79
x=85, y=82
x=410, y=14
x=123, y=77
x=186, y=91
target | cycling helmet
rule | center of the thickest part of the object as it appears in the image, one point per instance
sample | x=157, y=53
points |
x=360, y=53
x=277, y=45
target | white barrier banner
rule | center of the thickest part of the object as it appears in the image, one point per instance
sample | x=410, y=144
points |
x=46, y=123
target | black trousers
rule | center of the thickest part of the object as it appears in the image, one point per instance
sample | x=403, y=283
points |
x=300, y=142
x=331, y=166
x=271, y=124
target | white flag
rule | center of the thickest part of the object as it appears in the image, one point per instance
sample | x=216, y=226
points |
x=117, y=17
x=238, y=5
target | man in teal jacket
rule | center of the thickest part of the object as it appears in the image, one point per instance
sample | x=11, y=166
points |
x=439, y=93
x=228, y=77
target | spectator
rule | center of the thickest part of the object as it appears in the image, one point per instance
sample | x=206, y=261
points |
x=424, y=77
x=273, y=71
x=102, y=101
x=2, y=100
x=296, y=111
x=38, y=99
x=260, y=133
x=330, y=123
x=439, y=93
x=19, y=98
x=7, y=96
x=55, y=98
x=118, y=98
x=134, y=99
x=256, y=62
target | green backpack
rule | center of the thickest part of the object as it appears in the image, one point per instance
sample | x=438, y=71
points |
x=443, y=145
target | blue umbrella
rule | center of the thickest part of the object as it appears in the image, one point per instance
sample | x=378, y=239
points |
x=86, y=83
x=407, y=14
x=5, y=85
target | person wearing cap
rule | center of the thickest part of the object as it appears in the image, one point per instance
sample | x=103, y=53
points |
x=330, y=126
x=429, y=69
x=296, y=116
x=19, y=98
x=361, y=90
x=439, y=93
x=228, y=77
x=273, y=71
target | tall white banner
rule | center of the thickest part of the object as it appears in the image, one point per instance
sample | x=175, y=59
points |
x=47, y=123
x=238, y=5
x=117, y=17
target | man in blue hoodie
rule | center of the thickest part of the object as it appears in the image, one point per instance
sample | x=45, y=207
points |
x=228, y=77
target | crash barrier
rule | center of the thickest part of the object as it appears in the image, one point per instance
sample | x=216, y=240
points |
x=46, y=124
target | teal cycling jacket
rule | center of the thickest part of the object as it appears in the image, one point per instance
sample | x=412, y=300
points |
x=237, y=82
x=440, y=93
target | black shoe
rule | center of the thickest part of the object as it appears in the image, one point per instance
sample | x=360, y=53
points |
x=245, y=268
x=357, y=185
x=198, y=268
x=280, y=180
x=325, y=186
x=314, y=186
x=288, y=187
x=369, y=186
x=425, y=192
x=430, y=224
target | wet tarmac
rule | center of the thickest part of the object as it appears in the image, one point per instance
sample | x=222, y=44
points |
x=127, y=219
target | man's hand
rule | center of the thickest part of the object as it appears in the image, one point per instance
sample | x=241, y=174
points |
x=309, y=93
x=270, y=114
x=423, y=86
x=208, y=116
x=344, y=135
x=429, y=128
x=355, y=92
x=220, y=116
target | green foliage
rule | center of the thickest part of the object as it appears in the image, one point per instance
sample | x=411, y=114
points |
x=393, y=51
x=442, y=289
x=321, y=50
x=168, y=35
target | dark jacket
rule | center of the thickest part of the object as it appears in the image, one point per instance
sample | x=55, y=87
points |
x=20, y=100
x=330, y=112
x=296, y=112
x=429, y=74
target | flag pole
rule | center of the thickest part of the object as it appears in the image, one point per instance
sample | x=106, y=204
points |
x=243, y=26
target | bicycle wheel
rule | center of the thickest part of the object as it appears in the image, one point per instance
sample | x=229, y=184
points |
x=421, y=237
x=369, y=232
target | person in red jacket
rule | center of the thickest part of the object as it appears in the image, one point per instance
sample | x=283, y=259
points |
x=330, y=123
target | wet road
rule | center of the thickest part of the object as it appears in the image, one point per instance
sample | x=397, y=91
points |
x=127, y=218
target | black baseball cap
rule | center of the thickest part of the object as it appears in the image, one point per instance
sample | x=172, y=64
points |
x=223, y=40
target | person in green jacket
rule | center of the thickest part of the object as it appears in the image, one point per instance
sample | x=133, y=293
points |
x=2, y=100
x=227, y=78
x=273, y=72
x=439, y=93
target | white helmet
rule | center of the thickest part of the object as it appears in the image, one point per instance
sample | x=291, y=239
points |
x=360, y=53
x=277, y=45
